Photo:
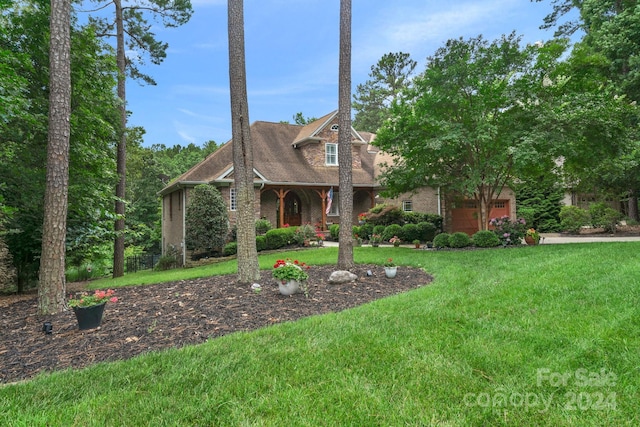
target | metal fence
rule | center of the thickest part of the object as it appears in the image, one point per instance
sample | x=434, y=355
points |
x=141, y=262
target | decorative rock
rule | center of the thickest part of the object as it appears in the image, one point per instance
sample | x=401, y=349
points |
x=342, y=276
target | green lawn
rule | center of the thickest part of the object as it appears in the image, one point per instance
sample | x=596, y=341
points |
x=537, y=335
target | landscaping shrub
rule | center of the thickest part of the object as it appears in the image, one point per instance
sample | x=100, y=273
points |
x=572, y=218
x=355, y=231
x=435, y=219
x=304, y=232
x=261, y=243
x=459, y=240
x=206, y=220
x=230, y=248
x=426, y=231
x=262, y=226
x=603, y=215
x=441, y=241
x=334, y=231
x=413, y=217
x=539, y=203
x=366, y=230
x=172, y=258
x=509, y=232
x=387, y=215
x=280, y=237
x=390, y=231
x=410, y=232
x=378, y=229
x=486, y=239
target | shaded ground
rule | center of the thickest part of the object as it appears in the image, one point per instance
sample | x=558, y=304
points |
x=175, y=314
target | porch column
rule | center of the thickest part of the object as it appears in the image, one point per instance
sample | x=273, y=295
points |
x=281, y=193
x=323, y=199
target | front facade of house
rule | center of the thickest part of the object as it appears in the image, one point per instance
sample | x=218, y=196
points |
x=295, y=171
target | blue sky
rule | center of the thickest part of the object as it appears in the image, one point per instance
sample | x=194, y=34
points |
x=292, y=57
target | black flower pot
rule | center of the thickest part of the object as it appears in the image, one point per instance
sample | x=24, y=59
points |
x=89, y=317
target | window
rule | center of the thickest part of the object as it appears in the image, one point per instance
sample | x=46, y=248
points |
x=331, y=154
x=334, y=205
x=335, y=127
x=233, y=200
x=407, y=206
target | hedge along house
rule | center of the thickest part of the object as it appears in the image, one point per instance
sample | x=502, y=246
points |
x=295, y=171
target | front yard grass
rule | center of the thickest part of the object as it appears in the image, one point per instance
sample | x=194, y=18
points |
x=537, y=335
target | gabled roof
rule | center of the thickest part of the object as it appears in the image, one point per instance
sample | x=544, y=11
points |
x=276, y=160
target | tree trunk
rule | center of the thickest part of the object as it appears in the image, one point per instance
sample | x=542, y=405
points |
x=345, y=250
x=633, y=206
x=118, y=246
x=248, y=267
x=51, y=288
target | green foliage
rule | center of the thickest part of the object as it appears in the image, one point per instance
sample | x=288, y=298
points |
x=385, y=215
x=230, y=248
x=262, y=226
x=171, y=259
x=459, y=240
x=261, y=243
x=304, y=232
x=486, y=239
x=390, y=76
x=410, y=232
x=573, y=218
x=280, y=237
x=427, y=231
x=366, y=230
x=539, y=201
x=441, y=241
x=334, y=231
x=390, y=231
x=378, y=229
x=355, y=231
x=509, y=232
x=206, y=219
x=603, y=215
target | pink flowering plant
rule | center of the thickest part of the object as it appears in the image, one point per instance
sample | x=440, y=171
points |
x=97, y=298
x=509, y=232
x=288, y=269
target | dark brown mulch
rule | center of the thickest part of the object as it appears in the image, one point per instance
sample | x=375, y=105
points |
x=175, y=314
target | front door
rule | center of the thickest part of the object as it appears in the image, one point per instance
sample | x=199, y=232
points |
x=292, y=209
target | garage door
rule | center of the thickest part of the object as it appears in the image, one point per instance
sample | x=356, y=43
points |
x=464, y=218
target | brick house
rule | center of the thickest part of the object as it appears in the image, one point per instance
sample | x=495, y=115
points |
x=295, y=167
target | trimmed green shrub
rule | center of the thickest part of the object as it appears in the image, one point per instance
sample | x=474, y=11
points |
x=261, y=243
x=426, y=231
x=386, y=216
x=206, y=219
x=459, y=239
x=410, y=232
x=304, y=232
x=262, y=226
x=603, y=215
x=390, y=231
x=334, y=231
x=486, y=239
x=413, y=217
x=280, y=237
x=572, y=218
x=441, y=241
x=230, y=248
x=355, y=231
x=435, y=219
x=379, y=229
x=366, y=230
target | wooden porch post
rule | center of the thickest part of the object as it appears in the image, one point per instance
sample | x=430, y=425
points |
x=281, y=195
x=323, y=198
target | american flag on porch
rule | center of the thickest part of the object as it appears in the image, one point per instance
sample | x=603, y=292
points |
x=329, y=200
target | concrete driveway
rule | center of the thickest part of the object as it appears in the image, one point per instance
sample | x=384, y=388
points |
x=550, y=238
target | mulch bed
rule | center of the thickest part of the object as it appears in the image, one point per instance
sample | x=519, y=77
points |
x=175, y=314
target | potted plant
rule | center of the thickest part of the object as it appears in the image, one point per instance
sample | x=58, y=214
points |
x=395, y=241
x=88, y=308
x=390, y=268
x=291, y=276
x=416, y=242
x=532, y=237
x=375, y=240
